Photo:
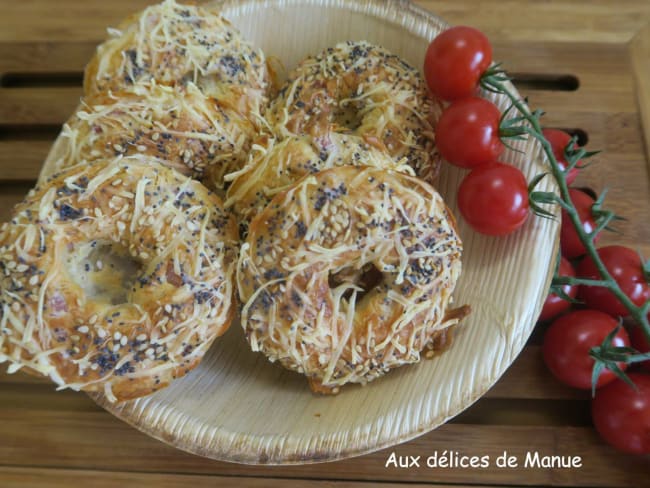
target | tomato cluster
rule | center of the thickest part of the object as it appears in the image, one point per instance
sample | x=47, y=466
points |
x=493, y=199
x=620, y=413
x=571, y=337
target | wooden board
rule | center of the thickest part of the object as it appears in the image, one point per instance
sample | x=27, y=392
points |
x=63, y=438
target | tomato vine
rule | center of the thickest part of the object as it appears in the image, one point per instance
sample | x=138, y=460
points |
x=528, y=123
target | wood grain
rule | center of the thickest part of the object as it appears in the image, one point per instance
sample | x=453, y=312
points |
x=639, y=54
x=37, y=106
x=90, y=440
x=551, y=20
x=64, y=478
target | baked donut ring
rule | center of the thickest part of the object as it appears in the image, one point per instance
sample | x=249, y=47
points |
x=115, y=278
x=274, y=166
x=183, y=128
x=366, y=92
x=349, y=274
x=173, y=43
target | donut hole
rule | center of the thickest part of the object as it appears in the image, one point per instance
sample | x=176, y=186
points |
x=347, y=116
x=104, y=270
x=367, y=278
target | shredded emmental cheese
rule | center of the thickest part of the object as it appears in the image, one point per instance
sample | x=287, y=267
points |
x=348, y=274
x=367, y=94
x=115, y=277
x=173, y=43
x=180, y=127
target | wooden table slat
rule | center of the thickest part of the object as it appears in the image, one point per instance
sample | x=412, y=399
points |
x=95, y=440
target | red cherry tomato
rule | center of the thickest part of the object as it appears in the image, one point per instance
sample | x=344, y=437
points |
x=467, y=133
x=622, y=415
x=640, y=343
x=626, y=268
x=494, y=199
x=567, y=343
x=570, y=243
x=554, y=305
x=455, y=61
x=559, y=141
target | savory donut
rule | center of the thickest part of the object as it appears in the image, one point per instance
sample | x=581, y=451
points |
x=364, y=91
x=274, y=166
x=180, y=127
x=115, y=278
x=349, y=274
x=173, y=43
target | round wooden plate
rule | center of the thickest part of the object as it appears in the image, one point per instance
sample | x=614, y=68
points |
x=236, y=406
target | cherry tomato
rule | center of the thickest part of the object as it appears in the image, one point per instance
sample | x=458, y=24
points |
x=554, y=305
x=626, y=268
x=467, y=133
x=570, y=243
x=455, y=61
x=494, y=199
x=559, y=141
x=622, y=415
x=641, y=344
x=567, y=343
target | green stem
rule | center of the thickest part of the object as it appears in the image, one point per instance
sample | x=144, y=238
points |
x=607, y=280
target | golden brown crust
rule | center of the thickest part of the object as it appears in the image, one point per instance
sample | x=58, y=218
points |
x=367, y=93
x=172, y=43
x=274, y=166
x=179, y=127
x=348, y=274
x=115, y=277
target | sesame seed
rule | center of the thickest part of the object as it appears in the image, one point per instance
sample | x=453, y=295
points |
x=33, y=280
x=117, y=336
x=141, y=337
x=83, y=329
x=124, y=340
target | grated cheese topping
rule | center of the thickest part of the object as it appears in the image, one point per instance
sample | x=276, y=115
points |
x=179, y=127
x=173, y=43
x=115, y=277
x=365, y=92
x=274, y=166
x=348, y=274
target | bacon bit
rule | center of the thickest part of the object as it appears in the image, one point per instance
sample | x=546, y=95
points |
x=172, y=277
x=317, y=386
